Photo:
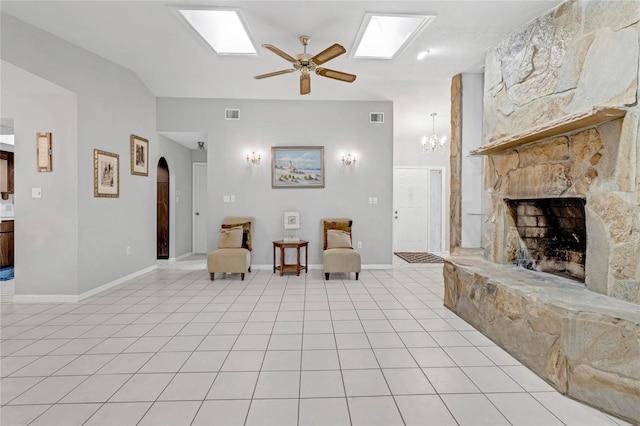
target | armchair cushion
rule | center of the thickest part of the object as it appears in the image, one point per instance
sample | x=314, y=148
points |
x=339, y=224
x=230, y=237
x=338, y=239
x=246, y=233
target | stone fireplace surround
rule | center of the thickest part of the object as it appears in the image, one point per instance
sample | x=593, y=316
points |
x=561, y=120
x=582, y=339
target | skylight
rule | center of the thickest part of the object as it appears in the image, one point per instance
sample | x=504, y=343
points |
x=222, y=29
x=383, y=36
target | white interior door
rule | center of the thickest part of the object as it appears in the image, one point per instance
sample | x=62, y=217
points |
x=418, y=218
x=199, y=208
x=411, y=209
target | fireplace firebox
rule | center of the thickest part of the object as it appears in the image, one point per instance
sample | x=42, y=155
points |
x=552, y=235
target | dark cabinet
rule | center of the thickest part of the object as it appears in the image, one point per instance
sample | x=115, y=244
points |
x=6, y=243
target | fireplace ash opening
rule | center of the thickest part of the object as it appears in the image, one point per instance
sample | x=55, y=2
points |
x=552, y=235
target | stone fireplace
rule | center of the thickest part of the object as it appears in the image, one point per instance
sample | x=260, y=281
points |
x=557, y=282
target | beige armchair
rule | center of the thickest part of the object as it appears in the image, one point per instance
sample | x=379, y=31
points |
x=234, y=248
x=338, y=254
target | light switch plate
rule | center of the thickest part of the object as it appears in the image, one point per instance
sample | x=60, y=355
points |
x=36, y=192
x=225, y=198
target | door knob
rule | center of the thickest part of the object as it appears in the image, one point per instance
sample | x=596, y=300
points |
x=197, y=213
x=396, y=217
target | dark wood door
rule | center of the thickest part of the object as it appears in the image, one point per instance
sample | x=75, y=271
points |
x=6, y=244
x=163, y=209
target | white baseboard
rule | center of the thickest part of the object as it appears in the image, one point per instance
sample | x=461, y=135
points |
x=114, y=283
x=62, y=298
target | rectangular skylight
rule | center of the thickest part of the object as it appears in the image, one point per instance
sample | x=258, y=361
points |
x=383, y=36
x=222, y=29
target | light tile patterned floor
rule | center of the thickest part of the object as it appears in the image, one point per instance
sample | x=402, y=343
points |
x=173, y=348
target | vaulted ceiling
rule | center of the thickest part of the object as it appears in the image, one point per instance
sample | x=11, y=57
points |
x=150, y=38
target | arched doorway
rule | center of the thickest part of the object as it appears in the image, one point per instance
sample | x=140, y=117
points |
x=163, y=209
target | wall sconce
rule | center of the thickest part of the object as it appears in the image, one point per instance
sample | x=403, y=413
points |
x=348, y=160
x=253, y=159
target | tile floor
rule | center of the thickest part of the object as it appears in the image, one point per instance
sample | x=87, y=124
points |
x=173, y=348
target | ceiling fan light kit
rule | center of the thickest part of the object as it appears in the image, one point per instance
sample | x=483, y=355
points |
x=306, y=64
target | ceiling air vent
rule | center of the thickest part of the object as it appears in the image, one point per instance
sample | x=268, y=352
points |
x=232, y=114
x=376, y=117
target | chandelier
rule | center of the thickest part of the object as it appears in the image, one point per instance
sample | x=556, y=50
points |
x=435, y=142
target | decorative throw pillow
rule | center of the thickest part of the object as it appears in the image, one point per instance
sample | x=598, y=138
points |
x=340, y=225
x=338, y=239
x=230, y=237
x=246, y=233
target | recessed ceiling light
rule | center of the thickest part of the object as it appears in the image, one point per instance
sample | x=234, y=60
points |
x=423, y=54
x=223, y=30
x=383, y=36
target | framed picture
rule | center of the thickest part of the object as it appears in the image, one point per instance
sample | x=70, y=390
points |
x=106, y=174
x=139, y=156
x=297, y=167
x=292, y=220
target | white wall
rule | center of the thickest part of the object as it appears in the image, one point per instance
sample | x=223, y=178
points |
x=180, y=208
x=45, y=229
x=338, y=126
x=112, y=103
x=472, y=168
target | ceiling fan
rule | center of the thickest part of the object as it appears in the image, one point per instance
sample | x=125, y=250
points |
x=305, y=63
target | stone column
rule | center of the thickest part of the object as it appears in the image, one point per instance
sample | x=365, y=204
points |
x=455, y=202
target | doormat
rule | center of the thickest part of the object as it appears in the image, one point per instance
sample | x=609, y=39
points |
x=419, y=257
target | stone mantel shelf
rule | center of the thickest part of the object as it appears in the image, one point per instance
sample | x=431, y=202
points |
x=580, y=120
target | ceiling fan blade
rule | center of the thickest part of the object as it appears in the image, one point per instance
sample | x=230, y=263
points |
x=328, y=54
x=305, y=84
x=280, y=53
x=336, y=75
x=273, y=74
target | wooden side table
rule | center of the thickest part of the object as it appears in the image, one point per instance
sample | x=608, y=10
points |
x=291, y=244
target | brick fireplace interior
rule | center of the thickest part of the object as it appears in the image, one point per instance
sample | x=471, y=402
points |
x=552, y=235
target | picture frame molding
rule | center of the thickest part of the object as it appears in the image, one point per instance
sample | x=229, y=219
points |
x=98, y=189
x=276, y=183
x=139, y=143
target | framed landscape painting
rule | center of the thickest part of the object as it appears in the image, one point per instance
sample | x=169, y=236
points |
x=297, y=167
x=139, y=156
x=106, y=174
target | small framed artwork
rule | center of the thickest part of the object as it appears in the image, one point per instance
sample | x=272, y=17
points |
x=297, y=167
x=139, y=156
x=292, y=220
x=106, y=174
x=44, y=152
